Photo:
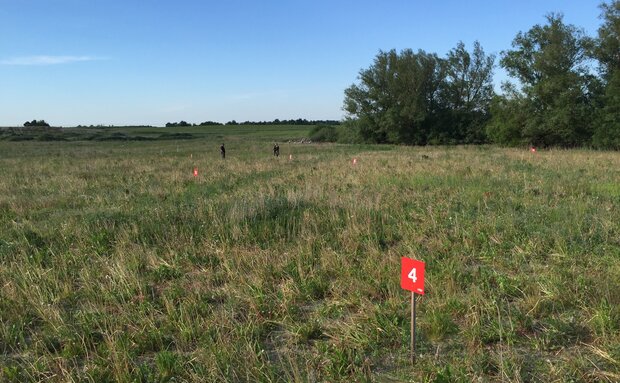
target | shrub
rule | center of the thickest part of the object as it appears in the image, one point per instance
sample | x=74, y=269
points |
x=324, y=133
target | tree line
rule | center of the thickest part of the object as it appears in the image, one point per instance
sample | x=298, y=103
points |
x=36, y=123
x=299, y=121
x=564, y=91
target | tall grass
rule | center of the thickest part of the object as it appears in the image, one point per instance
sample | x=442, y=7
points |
x=116, y=264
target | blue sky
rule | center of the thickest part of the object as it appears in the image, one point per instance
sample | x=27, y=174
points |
x=149, y=62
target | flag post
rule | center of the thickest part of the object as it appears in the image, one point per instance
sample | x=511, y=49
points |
x=412, y=279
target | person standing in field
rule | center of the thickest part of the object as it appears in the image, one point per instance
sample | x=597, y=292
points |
x=223, y=151
x=276, y=150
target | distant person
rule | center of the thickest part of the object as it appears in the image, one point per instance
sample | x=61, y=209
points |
x=223, y=151
x=276, y=150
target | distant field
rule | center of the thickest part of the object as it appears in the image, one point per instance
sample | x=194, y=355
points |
x=116, y=264
x=217, y=132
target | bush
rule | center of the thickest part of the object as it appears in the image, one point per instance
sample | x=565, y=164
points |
x=324, y=133
x=349, y=133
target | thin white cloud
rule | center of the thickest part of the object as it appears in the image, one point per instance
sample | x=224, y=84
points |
x=47, y=60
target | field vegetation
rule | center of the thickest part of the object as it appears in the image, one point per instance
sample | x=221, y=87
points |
x=118, y=265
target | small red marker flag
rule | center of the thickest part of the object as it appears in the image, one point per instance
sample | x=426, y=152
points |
x=195, y=172
x=412, y=275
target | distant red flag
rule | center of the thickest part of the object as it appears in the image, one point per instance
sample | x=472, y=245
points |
x=195, y=172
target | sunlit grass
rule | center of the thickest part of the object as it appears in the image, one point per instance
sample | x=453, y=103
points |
x=116, y=264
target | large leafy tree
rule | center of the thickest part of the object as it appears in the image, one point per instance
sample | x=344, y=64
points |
x=468, y=92
x=396, y=97
x=416, y=97
x=469, y=78
x=607, y=51
x=558, y=91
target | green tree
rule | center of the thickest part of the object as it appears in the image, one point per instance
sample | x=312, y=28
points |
x=468, y=92
x=38, y=123
x=509, y=117
x=418, y=98
x=558, y=91
x=607, y=51
x=397, y=97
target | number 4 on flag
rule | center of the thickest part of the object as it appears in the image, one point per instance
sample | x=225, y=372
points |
x=412, y=275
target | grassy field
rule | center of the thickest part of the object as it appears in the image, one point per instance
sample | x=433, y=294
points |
x=219, y=132
x=117, y=265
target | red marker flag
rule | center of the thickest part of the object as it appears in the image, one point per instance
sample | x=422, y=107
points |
x=412, y=275
x=195, y=172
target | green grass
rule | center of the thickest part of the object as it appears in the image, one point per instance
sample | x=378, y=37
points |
x=116, y=264
x=125, y=134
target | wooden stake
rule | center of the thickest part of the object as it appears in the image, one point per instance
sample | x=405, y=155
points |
x=413, y=315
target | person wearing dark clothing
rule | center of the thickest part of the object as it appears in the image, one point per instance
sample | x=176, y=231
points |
x=276, y=150
x=223, y=151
